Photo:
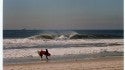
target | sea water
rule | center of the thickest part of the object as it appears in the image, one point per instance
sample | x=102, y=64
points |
x=22, y=45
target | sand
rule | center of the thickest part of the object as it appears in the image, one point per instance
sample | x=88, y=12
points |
x=107, y=63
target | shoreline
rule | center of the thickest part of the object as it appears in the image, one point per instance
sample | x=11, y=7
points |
x=75, y=57
x=105, y=63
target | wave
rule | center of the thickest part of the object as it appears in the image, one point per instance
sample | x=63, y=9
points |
x=71, y=35
x=54, y=35
x=42, y=36
x=74, y=36
x=62, y=34
x=93, y=36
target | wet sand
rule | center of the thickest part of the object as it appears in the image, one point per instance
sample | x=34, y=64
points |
x=105, y=63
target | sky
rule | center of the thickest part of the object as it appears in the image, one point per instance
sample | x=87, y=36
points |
x=63, y=14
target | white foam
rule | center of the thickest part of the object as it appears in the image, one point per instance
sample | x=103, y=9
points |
x=32, y=52
x=14, y=53
x=29, y=43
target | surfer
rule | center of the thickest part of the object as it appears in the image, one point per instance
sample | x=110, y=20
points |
x=46, y=53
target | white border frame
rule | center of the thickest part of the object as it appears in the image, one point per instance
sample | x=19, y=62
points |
x=1, y=34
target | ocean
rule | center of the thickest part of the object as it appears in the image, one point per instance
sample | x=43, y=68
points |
x=21, y=46
x=85, y=33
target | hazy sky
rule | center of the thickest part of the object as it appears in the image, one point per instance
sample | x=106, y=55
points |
x=63, y=14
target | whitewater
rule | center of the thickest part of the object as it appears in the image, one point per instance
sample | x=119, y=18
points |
x=27, y=48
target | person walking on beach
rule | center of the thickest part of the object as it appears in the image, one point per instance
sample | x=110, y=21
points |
x=46, y=53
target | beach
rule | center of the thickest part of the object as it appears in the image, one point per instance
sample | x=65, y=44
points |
x=105, y=63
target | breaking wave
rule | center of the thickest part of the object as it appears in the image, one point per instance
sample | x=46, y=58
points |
x=54, y=35
x=72, y=35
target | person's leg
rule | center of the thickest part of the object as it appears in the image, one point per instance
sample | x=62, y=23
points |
x=46, y=57
x=41, y=56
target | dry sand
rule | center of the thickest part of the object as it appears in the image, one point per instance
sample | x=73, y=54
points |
x=107, y=63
